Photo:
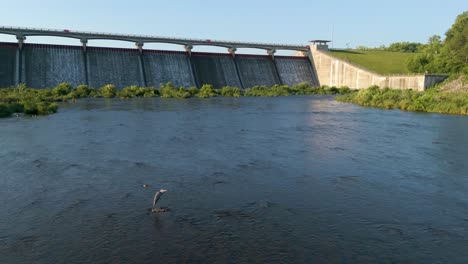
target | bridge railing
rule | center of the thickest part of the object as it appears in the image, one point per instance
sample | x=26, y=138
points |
x=64, y=32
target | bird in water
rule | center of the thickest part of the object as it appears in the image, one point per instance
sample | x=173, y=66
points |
x=156, y=198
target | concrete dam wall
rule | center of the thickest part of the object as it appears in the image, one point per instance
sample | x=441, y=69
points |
x=45, y=66
x=8, y=64
x=332, y=71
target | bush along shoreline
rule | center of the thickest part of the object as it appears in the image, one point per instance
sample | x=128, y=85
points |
x=28, y=101
x=432, y=100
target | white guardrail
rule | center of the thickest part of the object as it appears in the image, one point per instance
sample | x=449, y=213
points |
x=25, y=31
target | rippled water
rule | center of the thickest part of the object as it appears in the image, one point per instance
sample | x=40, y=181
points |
x=273, y=180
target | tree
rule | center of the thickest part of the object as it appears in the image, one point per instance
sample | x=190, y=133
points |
x=449, y=56
x=455, y=48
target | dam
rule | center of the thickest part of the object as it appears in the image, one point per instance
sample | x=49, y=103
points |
x=45, y=65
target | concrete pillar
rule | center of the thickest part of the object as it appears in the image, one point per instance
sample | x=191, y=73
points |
x=271, y=53
x=232, y=51
x=188, y=49
x=19, y=64
x=84, y=43
x=139, y=45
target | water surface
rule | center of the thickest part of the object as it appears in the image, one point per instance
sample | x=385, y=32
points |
x=272, y=180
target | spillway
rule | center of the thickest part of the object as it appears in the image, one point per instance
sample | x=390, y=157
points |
x=257, y=70
x=120, y=67
x=8, y=60
x=295, y=70
x=216, y=69
x=45, y=66
x=168, y=66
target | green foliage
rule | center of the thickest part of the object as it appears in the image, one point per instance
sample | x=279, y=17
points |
x=193, y=91
x=82, y=91
x=108, y=91
x=231, y=91
x=21, y=99
x=170, y=91
x=206, y=91
x=132, y=91
x=428, y=101
x=4, y=110
x=151, y=92
x=449, y=56
x=62, y=89
x=405, y=47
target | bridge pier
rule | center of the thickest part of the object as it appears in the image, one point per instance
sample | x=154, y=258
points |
x=19, y=62
x=139, y=46
x=232, y=51
x=271, y=53
x=84, y=43
x=188, y=49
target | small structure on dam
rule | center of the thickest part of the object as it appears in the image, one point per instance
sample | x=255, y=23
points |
x=45, y=66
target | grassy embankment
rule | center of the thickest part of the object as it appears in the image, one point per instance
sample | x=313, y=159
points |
x=434, y=100
x=382, y=62
x=42, y=102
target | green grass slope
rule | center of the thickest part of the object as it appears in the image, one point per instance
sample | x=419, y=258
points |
x=383, y=62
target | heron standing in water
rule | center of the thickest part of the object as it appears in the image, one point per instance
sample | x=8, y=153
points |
x=156, y=198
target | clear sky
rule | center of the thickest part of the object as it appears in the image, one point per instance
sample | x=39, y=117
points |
x=353, y=23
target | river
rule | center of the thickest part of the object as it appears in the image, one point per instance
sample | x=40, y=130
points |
x=250, y=180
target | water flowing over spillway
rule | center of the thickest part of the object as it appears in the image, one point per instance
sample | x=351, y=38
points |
x=166, y=66
x=120, y=67
x=8, y=54
x=46, y=66
x=257, y=70
x=295, y=70
x=218, y=70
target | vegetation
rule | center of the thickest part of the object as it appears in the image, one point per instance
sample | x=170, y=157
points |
x=383, y=62
x=407, y=47
x=29, y=101
x=108, y=91
x=432, y=100
x=448, y=56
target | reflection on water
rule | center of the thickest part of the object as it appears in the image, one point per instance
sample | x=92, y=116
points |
x=274, y=180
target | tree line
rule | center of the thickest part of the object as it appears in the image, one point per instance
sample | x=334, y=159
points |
x=449, y=55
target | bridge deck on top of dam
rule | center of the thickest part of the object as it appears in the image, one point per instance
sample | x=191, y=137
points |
x=21, y=33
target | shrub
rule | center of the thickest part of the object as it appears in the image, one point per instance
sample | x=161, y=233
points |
x=108, y=91
x=82, y=91
x=4, y=110
x=30, y=107
x=62, y=89
x=231, y=91
x=206, y=91
x=151, y=92
x=193, y=91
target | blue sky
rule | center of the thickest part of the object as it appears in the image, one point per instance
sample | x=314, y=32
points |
x=358, y=22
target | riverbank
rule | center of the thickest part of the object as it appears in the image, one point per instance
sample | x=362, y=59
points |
x=433, y=100
x=22, y=99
